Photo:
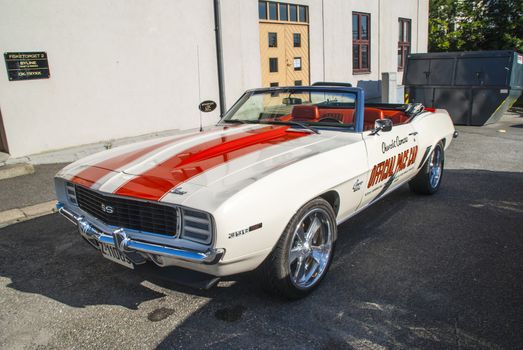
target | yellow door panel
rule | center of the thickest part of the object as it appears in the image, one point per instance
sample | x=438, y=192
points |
x=292, y=62
x=268, y=53
x=297, y=58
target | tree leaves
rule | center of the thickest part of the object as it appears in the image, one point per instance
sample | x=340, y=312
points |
x=468, y=25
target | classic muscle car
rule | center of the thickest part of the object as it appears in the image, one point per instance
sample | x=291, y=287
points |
x=262, y=190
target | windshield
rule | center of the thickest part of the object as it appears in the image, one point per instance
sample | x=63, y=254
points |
x=312, y=108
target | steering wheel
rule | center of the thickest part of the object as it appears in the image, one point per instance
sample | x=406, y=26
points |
x=330, y=119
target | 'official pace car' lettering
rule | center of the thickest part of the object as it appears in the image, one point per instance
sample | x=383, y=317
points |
x=392, y=165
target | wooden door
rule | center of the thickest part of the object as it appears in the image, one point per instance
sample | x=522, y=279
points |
x=3, y=139
x=284, y=50
x=297, y=55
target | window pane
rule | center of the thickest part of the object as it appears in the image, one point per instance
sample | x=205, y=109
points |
x=303, y=14
x=298, y=83
x=273, y=11
x=364, y=27
x=273, y=64
x=297, y=63
x=407, y=31
x=400, y=36
x=284, y=14
x=262, y=10
x=275, y=94
x=400, y=52
x=297, y=39
x=273, y=40
x=355, y=56
x=355, y=27
x=293, y=13
x=364, y=56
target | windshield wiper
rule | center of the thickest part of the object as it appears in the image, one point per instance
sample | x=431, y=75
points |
x=235, y=121
x=303, y=126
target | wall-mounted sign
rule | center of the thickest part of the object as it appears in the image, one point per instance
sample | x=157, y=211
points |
x=297, y=63
x=26, y=65
x=207, y=106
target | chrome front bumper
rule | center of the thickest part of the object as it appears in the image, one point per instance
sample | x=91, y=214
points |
x=121, y=241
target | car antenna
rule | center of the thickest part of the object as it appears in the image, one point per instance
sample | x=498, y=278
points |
x=199, y=88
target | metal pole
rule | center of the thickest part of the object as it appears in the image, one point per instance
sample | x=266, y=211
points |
x=323, y=34
x=219, y=55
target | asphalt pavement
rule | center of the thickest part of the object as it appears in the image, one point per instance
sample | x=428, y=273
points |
x=427, y=272
x=27, y=190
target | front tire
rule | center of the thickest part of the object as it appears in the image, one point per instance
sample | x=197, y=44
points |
x=303, y=253
x=428, y=180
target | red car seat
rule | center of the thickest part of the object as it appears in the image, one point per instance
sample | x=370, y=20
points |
x=370, y=115
x=305, y=113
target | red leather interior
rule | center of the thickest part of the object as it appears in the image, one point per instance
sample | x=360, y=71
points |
x=397, y=117
x=370, y=115
x=305, y=112
x=344, y=115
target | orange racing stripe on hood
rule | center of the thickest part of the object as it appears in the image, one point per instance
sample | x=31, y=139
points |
x=158, y=181
x=90, y=175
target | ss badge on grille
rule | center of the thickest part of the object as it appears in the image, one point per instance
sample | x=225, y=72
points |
x=107, y=209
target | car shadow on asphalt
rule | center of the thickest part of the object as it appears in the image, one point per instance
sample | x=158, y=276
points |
x=428, y=272
x=440, y=271
x=47, y=256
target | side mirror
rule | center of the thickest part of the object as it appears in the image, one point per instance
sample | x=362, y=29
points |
x=384, y=125
x=207, y=106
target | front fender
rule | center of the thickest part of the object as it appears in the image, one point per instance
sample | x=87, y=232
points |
x=253, y=219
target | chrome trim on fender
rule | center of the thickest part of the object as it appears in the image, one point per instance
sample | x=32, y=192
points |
x=120, y=240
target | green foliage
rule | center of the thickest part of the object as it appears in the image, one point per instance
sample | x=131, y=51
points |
x=468, y=25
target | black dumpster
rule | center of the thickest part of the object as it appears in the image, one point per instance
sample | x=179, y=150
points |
x=476, y=88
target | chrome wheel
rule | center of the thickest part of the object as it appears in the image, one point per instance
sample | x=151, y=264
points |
x=435, y=167
x=311, y=248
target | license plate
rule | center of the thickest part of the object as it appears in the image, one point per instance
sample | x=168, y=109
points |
x=113, y=254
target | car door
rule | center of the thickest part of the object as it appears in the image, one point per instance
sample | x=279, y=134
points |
x=391, y=160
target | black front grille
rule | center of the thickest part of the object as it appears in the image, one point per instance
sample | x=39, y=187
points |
x=128, y=213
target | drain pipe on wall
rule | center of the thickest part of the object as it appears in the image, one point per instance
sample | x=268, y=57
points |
x=219, y=55
x=323, y=35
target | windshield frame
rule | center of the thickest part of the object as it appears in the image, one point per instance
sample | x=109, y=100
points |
x=357, y=126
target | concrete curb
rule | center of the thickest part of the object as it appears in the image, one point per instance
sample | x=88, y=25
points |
x=13, y=216
x=9, y=171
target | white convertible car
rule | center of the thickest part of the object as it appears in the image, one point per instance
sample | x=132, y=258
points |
x=262, y=190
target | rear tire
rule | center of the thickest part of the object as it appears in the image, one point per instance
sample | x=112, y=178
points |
x=303, y=254
x=428, y=180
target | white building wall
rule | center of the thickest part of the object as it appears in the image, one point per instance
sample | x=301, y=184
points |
x=384, y=38
x=241, y=47
x=123, y=68
x=423, y=26
x=417, y=12
x=118, y=69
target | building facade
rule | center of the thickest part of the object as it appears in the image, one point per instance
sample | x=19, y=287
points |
x=120, y=68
